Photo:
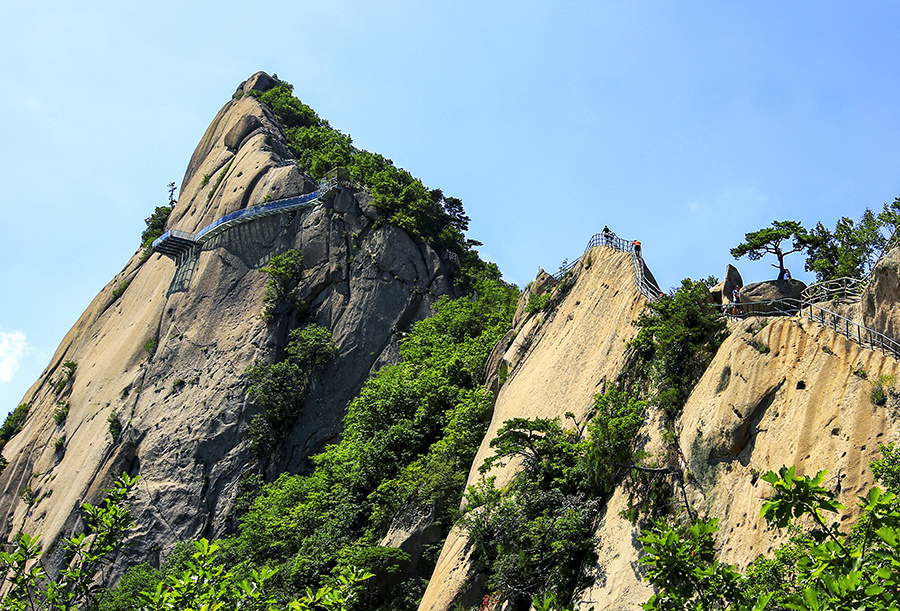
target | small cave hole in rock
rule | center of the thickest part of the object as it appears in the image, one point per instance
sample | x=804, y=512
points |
x=801, y=385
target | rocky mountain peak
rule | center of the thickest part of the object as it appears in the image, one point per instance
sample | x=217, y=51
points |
x=163, y=349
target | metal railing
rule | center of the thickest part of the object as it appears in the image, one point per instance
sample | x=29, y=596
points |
x=855, y=332
x=806, y=306
x=839, y=288
x=280, y=206
x=611, y=240
x=254, y=212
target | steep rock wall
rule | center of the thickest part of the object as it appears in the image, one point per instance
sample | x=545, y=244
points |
x=183, y=408
x=791, y=392
x=780, y=391
x=558, y=361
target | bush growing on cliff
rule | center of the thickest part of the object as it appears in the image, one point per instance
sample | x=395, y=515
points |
x=534, y=536
x=156, y=226
x=679, y=335
x=13, y=423
x=278, y=390
x=284, y=271
x=401, y=198
x=408, y=441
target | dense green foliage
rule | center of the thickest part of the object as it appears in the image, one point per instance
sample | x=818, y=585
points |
x=284, y=271
x=534, y=537
x=156, y=225
x=278, y=390
x=400, y=197
x=408, y=441
x=13, y=423
x=852, y=249
x=679, y=335
x=30, y=587
x=196, y=581
x=821, y=569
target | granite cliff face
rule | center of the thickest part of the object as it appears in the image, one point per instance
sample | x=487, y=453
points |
x=164, y=347
x=780, y=391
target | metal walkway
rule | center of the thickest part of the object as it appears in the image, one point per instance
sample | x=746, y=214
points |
x=174, y=242
x=808, y=306
x=643, y=279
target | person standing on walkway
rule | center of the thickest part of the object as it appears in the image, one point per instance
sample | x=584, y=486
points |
x=608, y=235
x=637, y=248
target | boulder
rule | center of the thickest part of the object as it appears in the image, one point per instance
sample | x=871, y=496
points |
x=721, y=293
x=259, y=82
x=542, y=282
x=771, y=290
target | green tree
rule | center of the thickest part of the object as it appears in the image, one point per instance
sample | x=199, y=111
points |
x=30, y=587
x=278, y=390
x=679, y=335
x=769, y=241
x=852, y=249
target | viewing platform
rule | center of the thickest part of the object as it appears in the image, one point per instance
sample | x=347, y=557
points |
x=174, y=243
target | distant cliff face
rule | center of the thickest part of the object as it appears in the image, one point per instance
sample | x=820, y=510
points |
x=164, y=348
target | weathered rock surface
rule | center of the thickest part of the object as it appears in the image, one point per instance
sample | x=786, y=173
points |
x=558, y=361
x=789, y=392
x=881, y=299
x=183, y=406
x=771, y=290
x=723, y=291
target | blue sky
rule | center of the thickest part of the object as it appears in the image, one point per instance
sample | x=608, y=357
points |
x=683, y=124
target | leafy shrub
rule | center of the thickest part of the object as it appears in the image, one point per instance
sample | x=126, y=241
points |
x=14, y=422
x=68, y=372
x=150, y=346
x=278, y=390
x=115, y=425
x=28, y=586
x=284, y=271
x=120, y=290
x=156, y=226
x=760, y=347
x=537, y=303
x=59, y=444
x=881, y=388
x=60, y=413
x=679, y=335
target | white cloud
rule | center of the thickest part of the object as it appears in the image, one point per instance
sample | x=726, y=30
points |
x=12, y=347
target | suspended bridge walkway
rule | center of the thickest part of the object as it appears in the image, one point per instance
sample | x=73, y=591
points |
x=174, y=242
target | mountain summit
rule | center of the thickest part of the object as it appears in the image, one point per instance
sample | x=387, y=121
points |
x=152, y=378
